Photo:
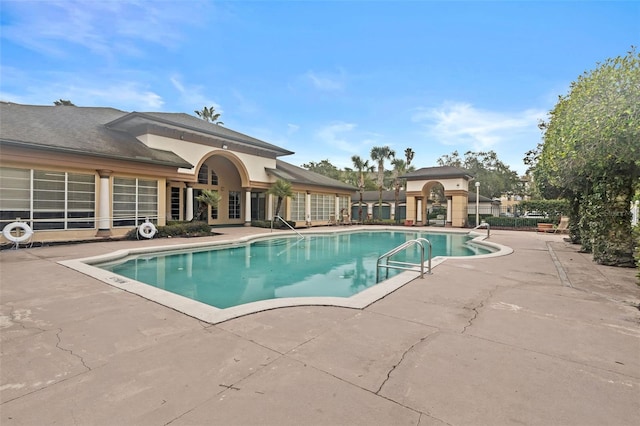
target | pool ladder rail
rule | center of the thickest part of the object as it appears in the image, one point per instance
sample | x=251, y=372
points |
x=287, y=223
x=484, y=224
x=406, y=266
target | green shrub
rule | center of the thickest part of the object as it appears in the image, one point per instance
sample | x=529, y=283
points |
x=177, y=229
x=513, y=222
x=276, y=224
x=551, y=207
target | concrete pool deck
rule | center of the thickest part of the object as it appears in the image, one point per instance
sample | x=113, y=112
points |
x=541, y=336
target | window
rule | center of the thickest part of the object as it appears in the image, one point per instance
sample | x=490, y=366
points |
x=175, y=203
x=344, y=201
x=47, y=199
x=214, y=210
x=322, y=206
x=234, y=205
x=134, y=200
x=297, y=206
x=203, y=174
x=214, y=178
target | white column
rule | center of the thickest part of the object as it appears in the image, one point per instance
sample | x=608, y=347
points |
x=419, y=210
x=104, y=204
x=188, y=208
x=270, y=207
x=307, y=208
x=336, y=209
x=247, y=207
x=449, y=212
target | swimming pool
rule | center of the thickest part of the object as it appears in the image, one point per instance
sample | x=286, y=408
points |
x=217, y=282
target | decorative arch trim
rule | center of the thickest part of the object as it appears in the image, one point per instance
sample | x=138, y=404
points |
x=237, y=162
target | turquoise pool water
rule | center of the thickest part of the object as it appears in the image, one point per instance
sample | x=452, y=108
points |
x=338, y=265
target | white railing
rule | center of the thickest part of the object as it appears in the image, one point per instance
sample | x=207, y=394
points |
x=406, y=266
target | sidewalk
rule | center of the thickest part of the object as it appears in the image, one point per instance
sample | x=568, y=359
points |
x=540, y=337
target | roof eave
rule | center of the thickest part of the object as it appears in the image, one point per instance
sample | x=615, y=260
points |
x=184, y=165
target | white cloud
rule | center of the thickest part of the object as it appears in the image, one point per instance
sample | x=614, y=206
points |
x=334, y=136
x=192, y=96
x=326, y=82
x=461, y=124
x=108, y=28
x=121, y=94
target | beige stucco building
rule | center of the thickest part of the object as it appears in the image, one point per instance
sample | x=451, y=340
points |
x=79, y=172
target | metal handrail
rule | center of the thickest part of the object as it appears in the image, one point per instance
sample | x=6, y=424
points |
x=287, y=223
x=406, y=266
x=484, y=225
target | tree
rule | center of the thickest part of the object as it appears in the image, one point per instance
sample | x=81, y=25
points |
x=209, y=114
x=408, y=154
x=63, y=102
x=206, y=198
x=362, y=166
x=324, y=168
x=281, y=189
x=495, y=177
x=380, y=154
x=399, y=168
x=591, y=148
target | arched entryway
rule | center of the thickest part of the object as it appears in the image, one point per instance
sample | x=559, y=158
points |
x=421, y=186
x=222, y=173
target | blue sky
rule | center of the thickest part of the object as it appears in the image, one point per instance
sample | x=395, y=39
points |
x=326, y=80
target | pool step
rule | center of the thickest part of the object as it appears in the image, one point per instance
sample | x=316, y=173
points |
x=271, y=243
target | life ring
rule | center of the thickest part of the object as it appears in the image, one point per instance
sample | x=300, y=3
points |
x=147, y=230
x=27, y=232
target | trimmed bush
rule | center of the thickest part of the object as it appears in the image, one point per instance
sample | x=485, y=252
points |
x=177, y=229
x=276, y=224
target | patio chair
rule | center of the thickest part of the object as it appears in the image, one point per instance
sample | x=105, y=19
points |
x=332, y=220
x=563, y=226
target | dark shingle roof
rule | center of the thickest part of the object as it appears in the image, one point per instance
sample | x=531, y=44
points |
x=438, y=172
x=298, y=175
x=79, y=130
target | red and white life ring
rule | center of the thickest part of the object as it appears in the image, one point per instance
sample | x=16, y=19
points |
x=27, y=232
x=147, y=230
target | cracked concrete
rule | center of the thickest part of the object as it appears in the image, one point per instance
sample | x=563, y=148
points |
x=495, y=341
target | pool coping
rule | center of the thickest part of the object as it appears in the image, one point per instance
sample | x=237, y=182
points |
x=213, y=315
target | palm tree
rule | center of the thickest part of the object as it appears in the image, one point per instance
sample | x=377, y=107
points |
x=379, y=154
x=363, y=167
x=206, y=198
x=210, y=115
x=281, y=189
x=63, y=102
x=399, y=168
x=408, y=154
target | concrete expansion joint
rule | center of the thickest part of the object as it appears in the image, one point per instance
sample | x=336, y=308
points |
x=404, y=354
x=562, y=274
x=69, y=350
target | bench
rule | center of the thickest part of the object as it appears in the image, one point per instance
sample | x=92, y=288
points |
x=546, y=227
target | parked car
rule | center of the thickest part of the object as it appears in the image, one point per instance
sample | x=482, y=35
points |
x=535, y=215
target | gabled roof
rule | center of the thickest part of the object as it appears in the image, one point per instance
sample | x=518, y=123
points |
x=298, y=175
x=79, y=130
x=438, y=173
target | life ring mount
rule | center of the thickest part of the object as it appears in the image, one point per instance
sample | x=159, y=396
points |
x=27, y=232
x=147, y=230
